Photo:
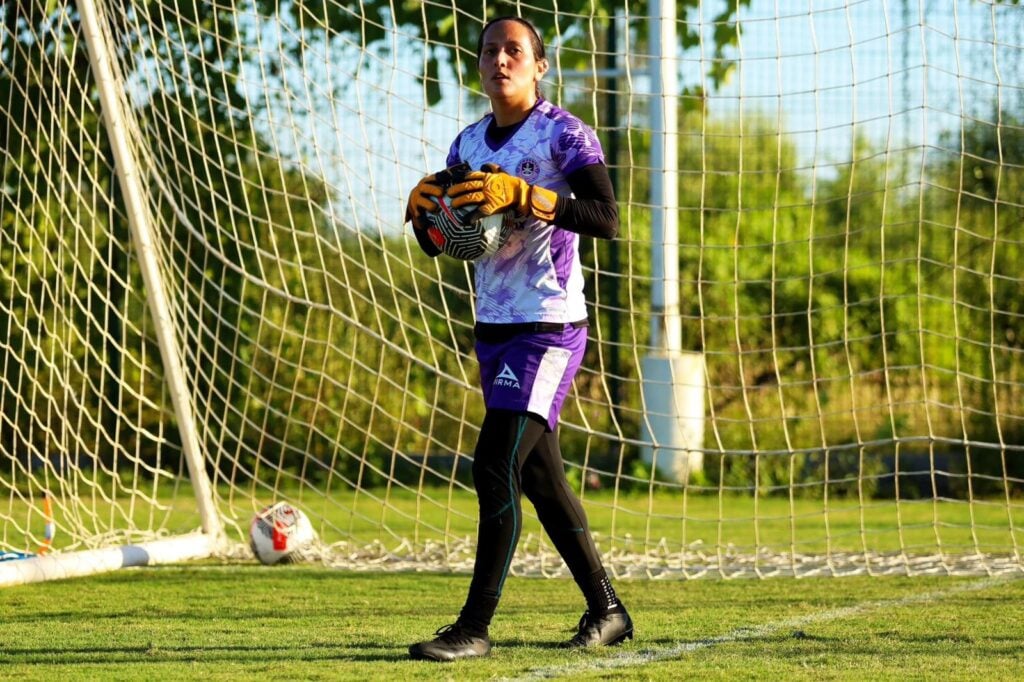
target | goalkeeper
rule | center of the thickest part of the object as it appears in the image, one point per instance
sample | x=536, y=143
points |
x=531, y=321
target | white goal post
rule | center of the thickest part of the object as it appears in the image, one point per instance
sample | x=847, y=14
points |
x=110, y=89
x=805, y=347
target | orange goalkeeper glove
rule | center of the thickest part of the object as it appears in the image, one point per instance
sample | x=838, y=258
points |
x=420, y=199
x=493, y=191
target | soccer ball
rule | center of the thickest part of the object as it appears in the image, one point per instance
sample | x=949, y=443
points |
x=452, y=231
x=279, y=534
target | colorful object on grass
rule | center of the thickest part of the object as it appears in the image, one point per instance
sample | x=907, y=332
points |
x=49, y=531
x=12, y=556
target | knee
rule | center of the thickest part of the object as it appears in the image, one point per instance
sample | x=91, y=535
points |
x=488, y=475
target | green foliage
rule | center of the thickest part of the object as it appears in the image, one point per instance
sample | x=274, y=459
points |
x=817, y=310
x=52, y=235
x=878, y=305
x=974, y=192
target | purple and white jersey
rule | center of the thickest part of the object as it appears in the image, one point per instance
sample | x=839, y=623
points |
x=536, y=276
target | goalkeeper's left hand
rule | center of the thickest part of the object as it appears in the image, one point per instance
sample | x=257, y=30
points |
x=494, y=191
x=420, y=199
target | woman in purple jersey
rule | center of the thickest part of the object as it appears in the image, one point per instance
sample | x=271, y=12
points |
x=530, y=327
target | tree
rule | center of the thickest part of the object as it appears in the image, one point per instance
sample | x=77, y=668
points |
x=48, y=207
x=453, y=34
x=974, y=195
x=65, y=237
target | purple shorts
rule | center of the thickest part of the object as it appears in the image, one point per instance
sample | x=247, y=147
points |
x=531, y=372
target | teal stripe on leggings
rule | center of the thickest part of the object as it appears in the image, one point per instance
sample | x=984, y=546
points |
x=511, y=497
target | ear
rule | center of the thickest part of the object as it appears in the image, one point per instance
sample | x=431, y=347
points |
x=542, y=68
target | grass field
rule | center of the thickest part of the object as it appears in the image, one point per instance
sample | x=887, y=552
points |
x=245, y=621
x=637, y=520
x=301, y=622
x=742, y=521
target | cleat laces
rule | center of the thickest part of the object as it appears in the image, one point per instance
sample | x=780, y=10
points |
x=454, y=634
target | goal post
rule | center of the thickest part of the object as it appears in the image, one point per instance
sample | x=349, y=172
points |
x=111, y=93
x=673, y=378
x=804, y=351
x=91, y=561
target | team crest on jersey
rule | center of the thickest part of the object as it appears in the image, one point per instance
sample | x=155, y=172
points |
x=506, y=378
x=528, y=169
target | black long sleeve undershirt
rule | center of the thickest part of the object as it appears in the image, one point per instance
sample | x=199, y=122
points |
x=592, y=211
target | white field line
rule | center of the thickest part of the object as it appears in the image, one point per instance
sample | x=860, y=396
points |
x=742, y=634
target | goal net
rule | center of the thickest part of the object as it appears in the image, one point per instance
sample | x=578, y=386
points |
x=805, y=351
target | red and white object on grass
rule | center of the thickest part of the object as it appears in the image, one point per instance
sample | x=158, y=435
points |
x=279, y=534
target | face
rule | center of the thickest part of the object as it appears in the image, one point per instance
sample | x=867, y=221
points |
x=509, y=69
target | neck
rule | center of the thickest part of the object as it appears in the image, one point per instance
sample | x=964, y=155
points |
x=508, y=113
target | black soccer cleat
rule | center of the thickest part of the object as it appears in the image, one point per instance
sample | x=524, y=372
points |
x=452, y=642
x=607, y=630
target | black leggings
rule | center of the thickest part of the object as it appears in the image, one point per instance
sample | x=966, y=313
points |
x=517, y=454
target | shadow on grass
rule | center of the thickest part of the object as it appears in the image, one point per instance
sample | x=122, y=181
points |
x=355, y=652
x=201, y=654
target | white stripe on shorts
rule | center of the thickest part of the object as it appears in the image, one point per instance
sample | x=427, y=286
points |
x=549, y=376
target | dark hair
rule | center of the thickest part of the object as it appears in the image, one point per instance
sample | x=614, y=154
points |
x=535, y=42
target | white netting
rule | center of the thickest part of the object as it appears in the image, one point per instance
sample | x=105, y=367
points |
x=848, y=377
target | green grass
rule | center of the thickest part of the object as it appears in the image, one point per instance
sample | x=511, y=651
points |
x=743, y=522
x=635, y=521
x=739, y=520
x=301, y=622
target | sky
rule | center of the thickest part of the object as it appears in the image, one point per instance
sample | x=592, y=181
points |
x=899, y=72
x=896, y=72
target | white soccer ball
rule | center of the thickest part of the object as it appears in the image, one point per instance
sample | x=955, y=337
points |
x=451, y=231
x=279, y=534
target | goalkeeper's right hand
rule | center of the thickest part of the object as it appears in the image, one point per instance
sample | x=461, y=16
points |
x=420, y=199
x=493, y=191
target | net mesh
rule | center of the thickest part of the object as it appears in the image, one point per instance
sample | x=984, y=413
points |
x=850, y=181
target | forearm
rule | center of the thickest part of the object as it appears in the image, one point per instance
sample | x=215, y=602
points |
x=592, y=210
